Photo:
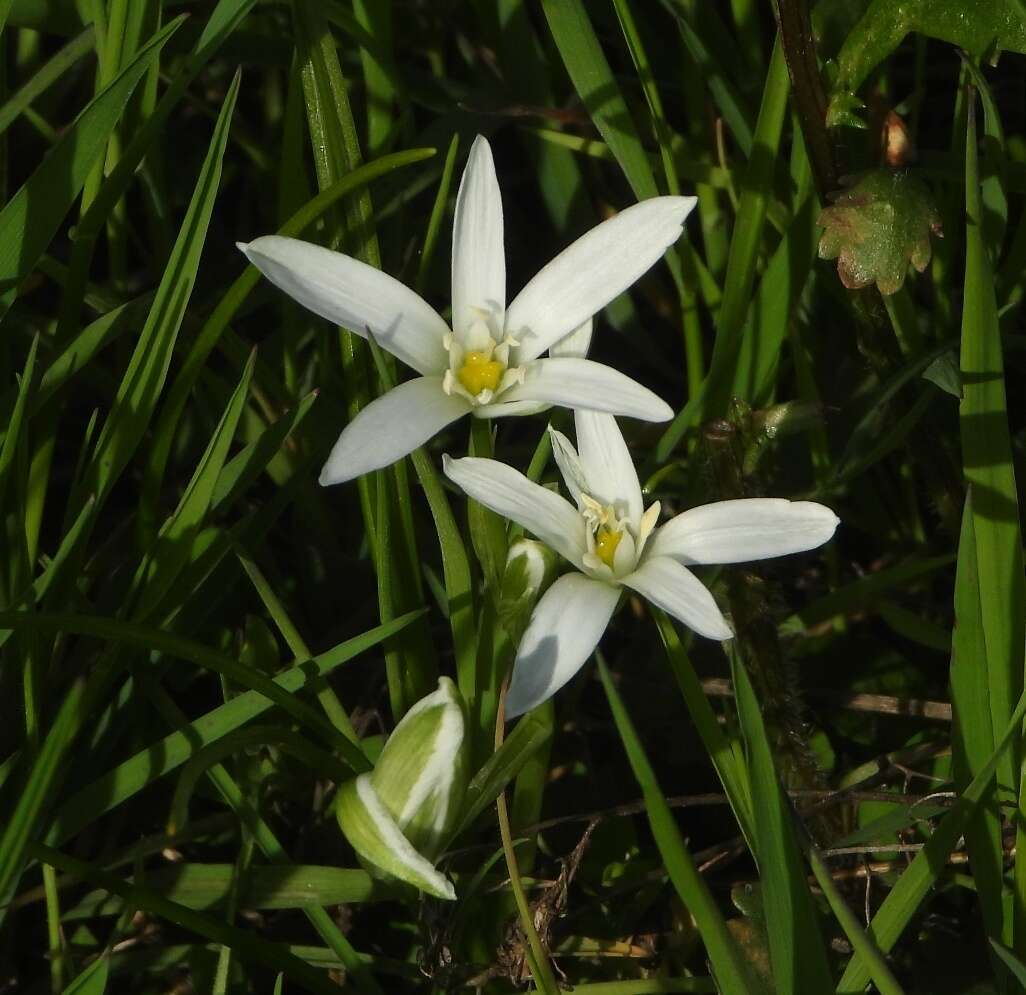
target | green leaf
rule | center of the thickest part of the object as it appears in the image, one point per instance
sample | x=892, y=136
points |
x=745, y=242
x=530, y=734
x=729, y=966
x=32, y=216
x=905, y=898
x=1012, y=962
x=992, y=538
x=207, y=886
x=726, y=756
x=797, y=950
x=246, y=944
x=132, y=775
x=93, y=980
x=47, y=75
x=156, y=640
x=144, y=378
x=174, y=544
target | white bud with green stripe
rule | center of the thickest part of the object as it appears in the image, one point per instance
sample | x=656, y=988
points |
x=398, y=817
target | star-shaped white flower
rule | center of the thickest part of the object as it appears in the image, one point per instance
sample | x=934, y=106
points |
x=613, y=541
x=490, y=363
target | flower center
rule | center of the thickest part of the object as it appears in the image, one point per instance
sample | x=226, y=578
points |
x=606, y=541
x=480, y=372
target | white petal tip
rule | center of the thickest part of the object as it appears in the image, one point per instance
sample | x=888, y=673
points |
x=242, y=246
x=448, y=892
x=661, y=412
x=330, y=476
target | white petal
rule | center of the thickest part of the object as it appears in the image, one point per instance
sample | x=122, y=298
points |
x=356, y=296
x=376, y=837
x=607, y=463
x=582, y=383
x=576, y=344
x=392, y=426
x=599, y=266
x=565, y=628
x=478, y=258
x=510, y=494
x=676, y=590
x=743, y=530
x=569, y=464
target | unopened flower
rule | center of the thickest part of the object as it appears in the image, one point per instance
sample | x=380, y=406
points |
x=398, y=816
x=491, y=362
x=613, y=542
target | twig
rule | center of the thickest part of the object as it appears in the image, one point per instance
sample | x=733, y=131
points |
x=883, y=704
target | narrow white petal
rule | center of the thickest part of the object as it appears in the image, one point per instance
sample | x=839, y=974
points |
x=356, y=296
x=478, y=256
x=510, y=494
x=607, y=463
x=582, y=383
x=392, y=426
x=377, y=838
x=599, y=266
x=565, y=628
x=744, y=529
x=569, y=464
x=576, y=344
x=676, y=590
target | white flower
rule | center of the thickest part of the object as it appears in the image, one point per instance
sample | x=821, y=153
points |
x=490, y=363
x=613, y=541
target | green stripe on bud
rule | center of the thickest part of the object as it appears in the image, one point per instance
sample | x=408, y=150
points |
x=530, y=568
x=398, y=817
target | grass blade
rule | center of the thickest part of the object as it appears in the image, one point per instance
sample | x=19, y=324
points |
x=731, y=971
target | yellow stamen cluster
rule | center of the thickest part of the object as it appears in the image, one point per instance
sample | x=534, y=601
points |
x=479, y=373
x=606, y=541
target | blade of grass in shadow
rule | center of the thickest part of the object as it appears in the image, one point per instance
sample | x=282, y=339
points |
x=908, y=893
x=222, y=21
x=253, y=947
x=31, y=217
x=122, y=432
x=156, y=640
x=593, y=79
x=694, y=358
x=172, y=550
x=728, y=99
x=143, y=381
x=233, y=299
x=797, y=950
x=726, y=755
x=757, y=187
x=149, y=764
x=326, y=695
x=45, y=77
x=273, y=850
x=728, y=964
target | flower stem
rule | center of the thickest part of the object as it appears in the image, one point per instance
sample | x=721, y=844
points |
x=538, y=960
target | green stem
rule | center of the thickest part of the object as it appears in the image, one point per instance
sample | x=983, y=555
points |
x=541, y=969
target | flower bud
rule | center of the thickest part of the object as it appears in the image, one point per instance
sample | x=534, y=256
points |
x=398, y=817
x=530, y=568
